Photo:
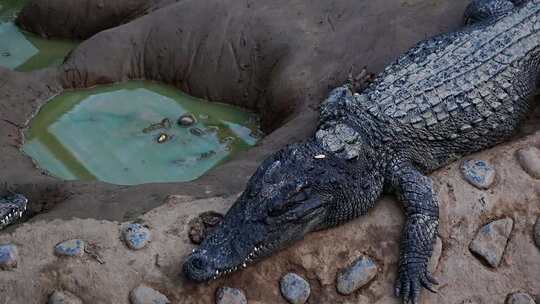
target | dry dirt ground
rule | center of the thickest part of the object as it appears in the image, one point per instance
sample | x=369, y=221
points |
x=464, y=209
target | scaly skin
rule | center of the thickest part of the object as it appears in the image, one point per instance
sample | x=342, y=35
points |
x=449, y=96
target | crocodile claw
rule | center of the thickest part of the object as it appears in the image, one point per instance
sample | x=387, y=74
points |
x=412, y=277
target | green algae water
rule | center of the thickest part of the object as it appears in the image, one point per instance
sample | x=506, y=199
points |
x=24, y=51
x=117, y=134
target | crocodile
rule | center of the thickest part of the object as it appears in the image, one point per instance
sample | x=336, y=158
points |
x=447, y=97
x=12, y=208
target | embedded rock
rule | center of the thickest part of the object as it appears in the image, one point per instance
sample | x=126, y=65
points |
x=478, y=173
x=71, y=248
x=361, y=272
x=8, y=257
x=136, y=236
x=228, y=295
x=146, y=295
x=529, y=159
x=490, y=242
x=294, y=288
x=63, y=297
x=520, y=298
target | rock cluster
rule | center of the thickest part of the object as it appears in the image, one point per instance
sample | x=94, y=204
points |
x=520, y=298
x=361, y=272
x=136, y=236
x=490, y=242
x=8, y=257
x=478, y=173
x=146, y=295
x=63, y=297
x=529, y=159
x=71, y=248
x=228, y=295
x=294, y=288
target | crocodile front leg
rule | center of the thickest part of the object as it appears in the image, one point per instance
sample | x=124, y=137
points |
x=415, y=191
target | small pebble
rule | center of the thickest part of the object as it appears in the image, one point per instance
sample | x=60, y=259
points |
x=294, y=288
x=358, y=274
x=529, y=159
x=520, y=298
x=63, y=297
x=136, y=236
x=491, y=240
x=71, y=248
x=537, y=232
x=478, y=173
x=227, y=295
x=8, y=257
x=187, y=120
x=146, y=295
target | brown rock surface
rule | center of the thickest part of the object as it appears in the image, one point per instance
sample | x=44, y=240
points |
x=317, y=258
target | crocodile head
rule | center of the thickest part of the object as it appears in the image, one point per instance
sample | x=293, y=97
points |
x=12, y=208
x=289, y=195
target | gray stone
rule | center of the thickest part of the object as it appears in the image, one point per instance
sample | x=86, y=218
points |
x=63, y=297
x=136, y=236
x=478, y=173
x=71, y=248
x=294, y=288
x=537, y=232
x=520, y=298
x=228, y=295
x=146, y=295
x=490, y=242
x=436, y=256
x=358, y=274
x=8, y=257
x=529, y=159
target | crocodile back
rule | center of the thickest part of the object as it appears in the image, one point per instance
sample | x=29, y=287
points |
x=461, y=92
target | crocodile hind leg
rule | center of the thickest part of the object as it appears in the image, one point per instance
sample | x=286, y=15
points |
x=415, y=191
x=484, y=10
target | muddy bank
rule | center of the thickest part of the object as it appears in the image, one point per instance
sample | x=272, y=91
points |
x=278, y=58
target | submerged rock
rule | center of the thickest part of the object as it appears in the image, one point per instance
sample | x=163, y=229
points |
x=358, y=274
x=187, y=120
x=478, y=173
x=228, y=295
x=490, y=242
x=136, y=236
x=8, y=257
x=520, y=298
x=146, y=295
x=529, y=159
x=294, y=288
x=63, y=297
x=74, y=247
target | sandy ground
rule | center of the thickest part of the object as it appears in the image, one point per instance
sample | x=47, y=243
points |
x=464, y=209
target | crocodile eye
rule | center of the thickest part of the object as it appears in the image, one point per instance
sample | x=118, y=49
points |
x=289, y=204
